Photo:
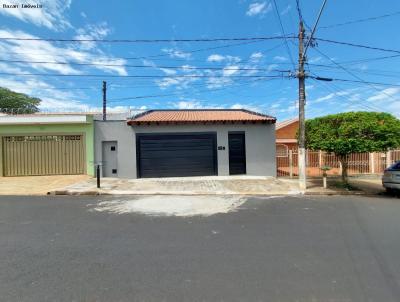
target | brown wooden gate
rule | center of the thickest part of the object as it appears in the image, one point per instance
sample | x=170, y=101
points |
x=43, y=155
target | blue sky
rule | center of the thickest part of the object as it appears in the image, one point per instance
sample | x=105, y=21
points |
x=222, y=74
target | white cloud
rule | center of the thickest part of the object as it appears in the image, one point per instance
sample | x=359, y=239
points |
x=34, y=51
x=258, y=8
x=91, y=31
x=9, y=69
x=168, y=71
x=355, y=97
x=314, y=60
x=181, y=82
x=324, y=98
x=385, y=94
x=51, y=15
x=188, y=105
x=280, y=58
x=256, y=56
x=362, y=67
x=176, y=53
x=394, y=108
x=186, y=68
x=230, y=70
x=286, y=10
x=220, y=58
x=104, y=60
x=149, y=63
x=271, y=67
x=233, y=59
x=218, y=82
x=52, y=99
x=215, y=58
x=246, y=106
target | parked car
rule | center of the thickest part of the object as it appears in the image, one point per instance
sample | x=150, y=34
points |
x=391, y=178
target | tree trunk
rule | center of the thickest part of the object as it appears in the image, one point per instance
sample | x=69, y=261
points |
x=344, y=161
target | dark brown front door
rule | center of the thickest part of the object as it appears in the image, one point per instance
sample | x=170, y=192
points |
x=237, y=153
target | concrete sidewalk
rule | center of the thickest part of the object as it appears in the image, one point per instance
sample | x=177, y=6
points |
x=219, y=185
x=366, y=185
x=37, y=185
x=210, y=185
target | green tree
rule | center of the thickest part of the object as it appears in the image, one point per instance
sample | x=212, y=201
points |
x=14, y=102
x=350, y=132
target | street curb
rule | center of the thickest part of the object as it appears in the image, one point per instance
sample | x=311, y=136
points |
x=69, y=193
x=98, y=193
x=337, y=193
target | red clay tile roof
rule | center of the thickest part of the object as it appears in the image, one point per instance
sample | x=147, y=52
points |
x=200, y=116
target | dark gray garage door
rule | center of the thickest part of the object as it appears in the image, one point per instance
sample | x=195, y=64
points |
x=169, y=155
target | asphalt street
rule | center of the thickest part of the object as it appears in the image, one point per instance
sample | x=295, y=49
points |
x=342, y=248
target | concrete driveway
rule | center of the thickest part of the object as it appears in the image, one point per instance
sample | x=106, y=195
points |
x=206, y=185
x=305, y=248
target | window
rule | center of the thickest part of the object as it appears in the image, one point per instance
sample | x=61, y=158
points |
x=282, y=150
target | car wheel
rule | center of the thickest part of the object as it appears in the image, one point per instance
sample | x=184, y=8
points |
x=389, y=191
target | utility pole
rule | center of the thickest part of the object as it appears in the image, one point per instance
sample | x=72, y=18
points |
x=302, y=99
x=104, y=100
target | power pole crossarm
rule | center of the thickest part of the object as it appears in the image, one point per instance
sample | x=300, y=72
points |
x=302, y=98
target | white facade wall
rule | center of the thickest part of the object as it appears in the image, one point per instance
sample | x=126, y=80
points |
x=260, y=144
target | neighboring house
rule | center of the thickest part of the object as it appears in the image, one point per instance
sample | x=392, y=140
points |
x=167, y=143
x=46, y=144
x=286, y=139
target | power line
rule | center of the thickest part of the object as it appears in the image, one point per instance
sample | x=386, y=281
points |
x=200, y=50
x=155, y=57
x=195, y=92
x=364, y=82
x=283, y=32
x=299, y=11
x=63, y=88
x=193, y=51
x=368, y=72
x=140, y=66
x=301, y=19
x=371, y=84
x=314, y=28
x=338, y=94
x=353, y=62
x=138, y=76
x=360, y=20
x=146, y=40
x=358, y=45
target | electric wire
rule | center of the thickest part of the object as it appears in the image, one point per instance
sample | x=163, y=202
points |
x=283, y=32
x=361, y=20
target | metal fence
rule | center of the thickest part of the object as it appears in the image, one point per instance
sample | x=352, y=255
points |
x=358, y=163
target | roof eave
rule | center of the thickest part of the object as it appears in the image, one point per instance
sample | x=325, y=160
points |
x=138, y=123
